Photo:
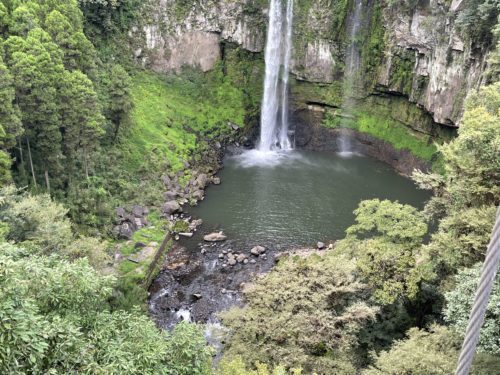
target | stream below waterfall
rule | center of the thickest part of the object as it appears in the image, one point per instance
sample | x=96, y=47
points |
x=280, y=200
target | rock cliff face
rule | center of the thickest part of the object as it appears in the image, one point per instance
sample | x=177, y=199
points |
x=415, y=53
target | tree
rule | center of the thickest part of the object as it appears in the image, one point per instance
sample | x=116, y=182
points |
x=82, y=122
x=433, y=352
x=386, y=243
x=473, y=158
x=36, y=62
x=461, y=240
x=120, y=101
x=10, y=123
x=236, y=366
x=312, y=323
x=35, y=221
x=467, y=195
x=459, y=304
x=79, y=53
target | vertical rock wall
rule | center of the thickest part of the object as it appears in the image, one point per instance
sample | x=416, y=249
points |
x=416, y=53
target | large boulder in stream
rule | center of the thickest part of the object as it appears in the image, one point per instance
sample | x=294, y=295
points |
x=198, y=195
x=171, y=207
x=215, y=237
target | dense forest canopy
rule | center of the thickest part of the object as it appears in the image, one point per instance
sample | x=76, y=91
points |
x=78, y=125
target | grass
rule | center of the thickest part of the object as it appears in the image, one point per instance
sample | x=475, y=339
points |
x=131, y=274
x=171, y=114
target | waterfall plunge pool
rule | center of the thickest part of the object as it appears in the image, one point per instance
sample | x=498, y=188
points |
x=280, y=200
x=296, y=198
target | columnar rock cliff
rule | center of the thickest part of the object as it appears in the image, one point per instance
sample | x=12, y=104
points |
x=413, y=58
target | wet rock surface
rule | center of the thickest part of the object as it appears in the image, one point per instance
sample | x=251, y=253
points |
x=311, y=135
x=200, y=279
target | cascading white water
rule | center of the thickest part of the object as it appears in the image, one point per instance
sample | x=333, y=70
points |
x=352, y=57
x=275, y=98
x=351, y=68
x=284, y=139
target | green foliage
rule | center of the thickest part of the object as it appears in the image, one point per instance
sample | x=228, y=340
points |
x=433, y=352
x=373, y=47
x=394, y=222
x=10, y=122
x=35, y=221
x=493, y=72
x=391, y=131
x=385, y=241
x=459, y=303
x=473, y=159
x=55, y=311
x=170, y=113
x=468, y=194
x=187, y=351
x=312, y=323
x=106, y=17
x=117, y=87
x=476, y=20
x=236, y=366
x=461, y=239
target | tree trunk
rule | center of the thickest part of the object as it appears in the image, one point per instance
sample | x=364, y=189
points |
x=47, y=182
x=31, y=162
x=20, y=151
x=86, y=163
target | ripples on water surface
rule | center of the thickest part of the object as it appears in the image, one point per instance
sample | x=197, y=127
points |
x=296, y=198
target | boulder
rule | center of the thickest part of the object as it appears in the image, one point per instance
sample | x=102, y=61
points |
x=146, y=253
x=215, y=237
x=171, y=195
x=186, y=234
x=171, y=207
x=216, y=180
x=125, y=231
x=240, y=258
x=202, y=180
x=138, y=222
x=198, y=195
x=231, y=261
x=257, y=250
x=138, y=211
x=320, y=245
x=195, y=223
x=120, y=212
x=166, y=180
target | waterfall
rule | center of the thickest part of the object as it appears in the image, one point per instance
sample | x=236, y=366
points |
x=352, y=56
x=274, y=109
x=352, y=62
x=284, y=139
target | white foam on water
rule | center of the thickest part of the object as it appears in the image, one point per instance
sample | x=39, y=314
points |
x=183, y=314
x=266, y=159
